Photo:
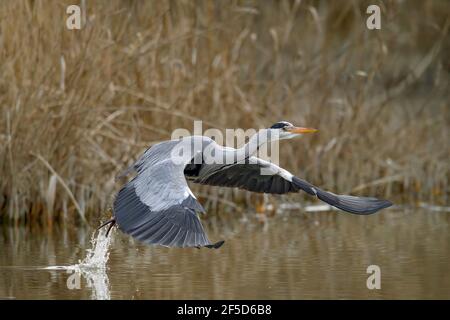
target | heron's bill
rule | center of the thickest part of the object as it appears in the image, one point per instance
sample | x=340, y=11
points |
x=301, y=130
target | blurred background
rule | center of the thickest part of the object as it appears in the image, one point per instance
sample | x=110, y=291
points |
x=79, y=106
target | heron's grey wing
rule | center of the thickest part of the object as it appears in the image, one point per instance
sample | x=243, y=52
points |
x=157, y=206
x=178, y=225
x=243, y=176
x=258, y=175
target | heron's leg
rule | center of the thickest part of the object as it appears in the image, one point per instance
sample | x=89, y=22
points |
x=111, y=223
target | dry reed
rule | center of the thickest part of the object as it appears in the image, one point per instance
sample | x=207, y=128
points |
x=78, y=106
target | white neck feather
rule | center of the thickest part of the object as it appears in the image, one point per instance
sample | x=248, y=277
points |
x=253, y=144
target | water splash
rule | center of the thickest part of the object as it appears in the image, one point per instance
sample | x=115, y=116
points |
x=98, y=256
x=93, y=267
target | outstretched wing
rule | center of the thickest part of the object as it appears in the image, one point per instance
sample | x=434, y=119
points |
x=261, y=176
x=157, y=206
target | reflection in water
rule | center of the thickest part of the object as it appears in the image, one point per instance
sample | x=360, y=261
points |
x=288, y=256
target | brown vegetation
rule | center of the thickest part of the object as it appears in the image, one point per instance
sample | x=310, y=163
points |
x=77, y=106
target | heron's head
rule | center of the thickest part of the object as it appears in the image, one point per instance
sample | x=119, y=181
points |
x=287, y=130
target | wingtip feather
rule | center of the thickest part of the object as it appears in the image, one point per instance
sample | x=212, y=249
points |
x=352, y=204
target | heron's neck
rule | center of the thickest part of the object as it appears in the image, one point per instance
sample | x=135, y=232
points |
x=253, y=145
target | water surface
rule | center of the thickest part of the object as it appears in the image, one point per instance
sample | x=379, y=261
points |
x=288, y=256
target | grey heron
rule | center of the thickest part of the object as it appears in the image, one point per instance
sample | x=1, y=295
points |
x=158, y=207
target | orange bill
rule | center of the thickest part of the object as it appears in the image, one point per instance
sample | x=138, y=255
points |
x=301, y=130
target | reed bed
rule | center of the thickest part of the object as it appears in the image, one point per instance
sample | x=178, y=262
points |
x=78, y=106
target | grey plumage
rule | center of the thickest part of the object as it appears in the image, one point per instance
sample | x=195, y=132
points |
x=177, y=226
x=243, y=176
x=157, y=206
x=248, y=176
